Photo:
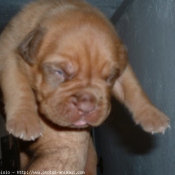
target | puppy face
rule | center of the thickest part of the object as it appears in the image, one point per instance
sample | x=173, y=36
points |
x=74, y=65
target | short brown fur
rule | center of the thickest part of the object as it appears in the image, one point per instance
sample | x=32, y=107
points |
x=61, y=61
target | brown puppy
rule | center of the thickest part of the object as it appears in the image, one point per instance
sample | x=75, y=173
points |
x=61, y=61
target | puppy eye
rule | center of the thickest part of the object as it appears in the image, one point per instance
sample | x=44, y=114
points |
x=59, y=72
x=111, y=78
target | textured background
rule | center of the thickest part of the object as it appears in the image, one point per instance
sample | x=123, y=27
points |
x=147, y=28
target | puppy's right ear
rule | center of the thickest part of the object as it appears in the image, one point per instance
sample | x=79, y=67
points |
x=29, y=46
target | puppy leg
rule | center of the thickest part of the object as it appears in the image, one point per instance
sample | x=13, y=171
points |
x=21, y=116
x=91, y=164
x=61, y=151
x=24, y=160
x=128, y=91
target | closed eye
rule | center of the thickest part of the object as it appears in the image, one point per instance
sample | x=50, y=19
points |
x=112, y=76
x=60, y=72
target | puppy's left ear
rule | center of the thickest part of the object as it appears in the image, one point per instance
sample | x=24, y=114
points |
x=30, y=45
x=122, y=57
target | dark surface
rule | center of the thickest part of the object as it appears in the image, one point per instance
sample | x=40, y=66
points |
x=10, y=154
x=8, y=8
x=121, y=9
x=147, y=29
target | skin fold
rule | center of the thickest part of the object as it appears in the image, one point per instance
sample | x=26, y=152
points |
x=60, y=63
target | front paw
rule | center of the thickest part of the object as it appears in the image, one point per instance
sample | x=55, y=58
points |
x=26, y=126
x=152, y=120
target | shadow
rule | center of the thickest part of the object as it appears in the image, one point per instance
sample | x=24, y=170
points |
x=130, y=135
x=2, y=111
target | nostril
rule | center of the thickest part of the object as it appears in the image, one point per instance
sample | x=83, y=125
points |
x=85, y=107
x=86, y=103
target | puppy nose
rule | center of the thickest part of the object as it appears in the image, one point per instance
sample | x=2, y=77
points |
x=86, y=103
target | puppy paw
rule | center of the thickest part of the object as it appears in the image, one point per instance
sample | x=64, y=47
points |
x=152, y=120
x=25, y=127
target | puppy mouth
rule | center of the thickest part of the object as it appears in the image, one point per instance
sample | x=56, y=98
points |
x=85, y=120
x=80, y=123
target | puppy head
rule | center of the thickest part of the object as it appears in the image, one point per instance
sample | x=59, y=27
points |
x=74, y=66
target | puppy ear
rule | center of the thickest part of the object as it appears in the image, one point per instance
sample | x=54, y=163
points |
x=30, y=44
x=122, y=57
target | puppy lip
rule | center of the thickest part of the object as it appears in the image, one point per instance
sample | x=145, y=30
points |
x=80, y=122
